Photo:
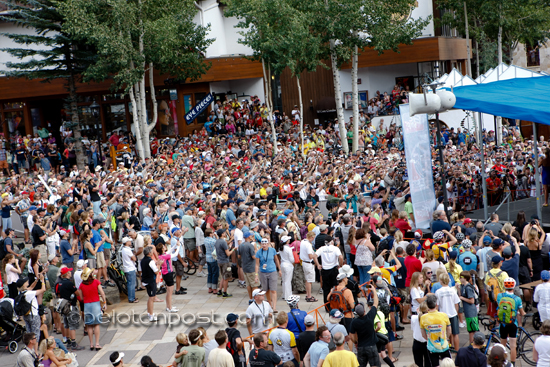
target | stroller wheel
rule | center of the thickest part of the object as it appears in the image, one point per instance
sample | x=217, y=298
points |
x=13, y=346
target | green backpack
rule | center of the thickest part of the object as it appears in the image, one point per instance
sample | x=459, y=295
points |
x=506, y=309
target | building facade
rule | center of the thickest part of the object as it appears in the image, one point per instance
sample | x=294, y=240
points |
x=26, y=106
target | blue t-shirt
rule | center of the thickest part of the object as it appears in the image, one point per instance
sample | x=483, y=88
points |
x=96, y=238
x=517, y=300
x=65, y=246
x=436, y=286
x=230, y=216
x=267, y=262
x=511, y=267
x=292, y=326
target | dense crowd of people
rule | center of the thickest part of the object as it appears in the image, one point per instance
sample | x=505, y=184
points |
x=238, y=206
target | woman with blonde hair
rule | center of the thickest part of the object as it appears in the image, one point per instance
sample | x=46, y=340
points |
x=49, y=358
x=533, y=236
x=419, y=290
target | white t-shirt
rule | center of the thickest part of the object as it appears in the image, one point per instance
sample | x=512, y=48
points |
x=542, y=345
x=77, y=278
x=238, y=236
x=139, y=242
x=415, y=326
x=296, y=114
x=415, y=294
x=30, y=296
x=287, y=257
x=220, y=358
x=11, y=275
x=329, y=256
x=258, y=315
x=306, y=248
x=127, y=263
x=447, y=298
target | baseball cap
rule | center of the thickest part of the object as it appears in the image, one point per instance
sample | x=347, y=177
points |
x=51, y=256
x=126, y=239
x=418, y=233
x=360, y=309
x=116, y=357
x=231, y=317
x=479, y=338
x=374, y=269
x=496, y=259
x=247, y=234
x=257, y=292
x=487, y=239
x=66, y=270
x=453, y=255
x=545, y=275
x=80, y=263
x=21, y=281
x=288, y=211
x=507, y=251
x=466, y=221
x=323, y=227
x=341, y=276
x=336, y=313
x=498, y=241
x=174, y=230
x=309, y=320
x=32, y=207
x=98, y=220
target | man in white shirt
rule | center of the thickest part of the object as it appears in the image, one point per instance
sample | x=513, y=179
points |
x=258, y=313
x=331, y=258
x=542, y=296
x=129, y=267
x=296, y=113
x=238, y=235
x=309, y=262
x=220, y=357
x=80, y=266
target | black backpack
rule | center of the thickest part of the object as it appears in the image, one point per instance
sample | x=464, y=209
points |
x=21, y=306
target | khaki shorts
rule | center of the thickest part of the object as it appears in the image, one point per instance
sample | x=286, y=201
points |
x=225, y=270
x=309, y=271
x=100, y=258
x=251, y=281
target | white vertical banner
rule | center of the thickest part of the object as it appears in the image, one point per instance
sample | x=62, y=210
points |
x=416, y=135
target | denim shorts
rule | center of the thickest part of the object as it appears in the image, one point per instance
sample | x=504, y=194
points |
x=92, y=313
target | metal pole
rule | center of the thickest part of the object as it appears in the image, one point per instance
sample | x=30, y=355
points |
x=442, y=164
x=468, y=51
x=537, y=177
x=483, y=180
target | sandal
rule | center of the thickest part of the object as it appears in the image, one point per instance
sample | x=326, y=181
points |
x=134, y=301
x=140, y=289
x=97, y=348
x=395, y=360
x=311, y=299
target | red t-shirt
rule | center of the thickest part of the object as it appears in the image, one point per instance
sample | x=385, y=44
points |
x=403, y=225
x=89, y=291
x=413, y=265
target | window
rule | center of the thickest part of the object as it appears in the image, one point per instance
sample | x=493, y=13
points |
x=115, y=118
x=16, y=123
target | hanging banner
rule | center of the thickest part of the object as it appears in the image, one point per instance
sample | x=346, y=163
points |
x=199, y=107
x=416, y=135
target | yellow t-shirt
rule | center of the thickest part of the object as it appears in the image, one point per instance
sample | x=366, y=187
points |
x=503, y=275
x=435, y=324
x=263, y=192
x=455, y=273
x=341, y=358
x=382, y=320
x=437, y=249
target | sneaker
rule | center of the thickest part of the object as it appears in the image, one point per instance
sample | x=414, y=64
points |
x=181, y=292
x=462, y=325
x=75, y=346
x=321, y=291
x=152, y=318
x=172, y=310
x=219, y=294
x=183, y=289
x=66, y=341
x=227, y=295
x=399, y=328
x=201, y=275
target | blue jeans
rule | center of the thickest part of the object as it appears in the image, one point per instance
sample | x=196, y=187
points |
x=131, y=284
x=213, y=273
x=364, y=275
x=60, y=345
x=6, y=223
x=97, y=207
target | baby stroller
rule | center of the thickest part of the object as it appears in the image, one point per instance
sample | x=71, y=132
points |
x=10, y=331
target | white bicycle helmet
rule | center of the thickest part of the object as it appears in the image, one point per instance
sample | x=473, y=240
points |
x=459, y=236
x=466, y=243
x=438, y=235
x=292, y=301
x=509, y=283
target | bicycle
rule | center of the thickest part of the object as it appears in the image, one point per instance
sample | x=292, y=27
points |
x=525, y=340
x=192, y=266
x=116, y=273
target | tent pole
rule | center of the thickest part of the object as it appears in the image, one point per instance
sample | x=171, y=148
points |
x=442, y=166
x=483, y=173
x=537, y=172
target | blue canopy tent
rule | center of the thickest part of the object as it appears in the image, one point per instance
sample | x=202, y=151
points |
x=520, y=98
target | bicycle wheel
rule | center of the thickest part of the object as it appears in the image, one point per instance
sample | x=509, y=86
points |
x=526, y=347
x=191, y=267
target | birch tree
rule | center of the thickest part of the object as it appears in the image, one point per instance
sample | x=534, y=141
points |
x=347, y=27
x=132, y=39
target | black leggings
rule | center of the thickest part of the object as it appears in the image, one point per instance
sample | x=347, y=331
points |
x=13, y=290
x=420, y=354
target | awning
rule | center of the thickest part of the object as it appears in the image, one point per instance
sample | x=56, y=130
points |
x=519, y=98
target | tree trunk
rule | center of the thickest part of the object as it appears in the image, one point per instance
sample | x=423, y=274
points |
x=499, y=42
x=338, y=99
x=146, y=132
x=477, y=58
x=468, y=51
x=81, y=160
x=301, y=114
x=268, y=103
x=136, y=118
x=355, y=99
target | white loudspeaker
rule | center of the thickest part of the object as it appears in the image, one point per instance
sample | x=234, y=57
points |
x=418, y=105
x=448, y=99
